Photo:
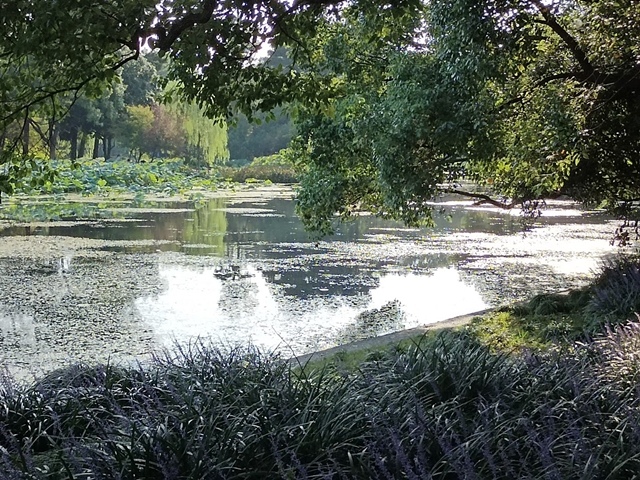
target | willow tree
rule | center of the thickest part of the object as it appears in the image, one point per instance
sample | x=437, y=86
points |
x=205, y=140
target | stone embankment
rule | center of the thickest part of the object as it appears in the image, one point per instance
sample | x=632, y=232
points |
x=388, y=339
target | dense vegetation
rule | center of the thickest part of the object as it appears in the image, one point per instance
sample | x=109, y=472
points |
x=451, y=405
x=276, y=168
x=529, y=99
x=394, y=102
x=98, y=176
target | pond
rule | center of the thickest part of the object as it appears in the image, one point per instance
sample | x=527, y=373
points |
x=112, y=279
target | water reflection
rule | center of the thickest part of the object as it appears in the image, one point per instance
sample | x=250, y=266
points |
x=243, y=269
x=195, y=302
x=17, y=329
x=242, y=229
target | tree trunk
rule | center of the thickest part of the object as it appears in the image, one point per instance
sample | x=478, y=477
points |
x=108, y=146
x=25, y=137
x=82, y=148
x=74, y=144
x=96, y=146
x=53, y=141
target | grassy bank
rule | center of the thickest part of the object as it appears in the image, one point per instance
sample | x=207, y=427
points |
x=476, y=402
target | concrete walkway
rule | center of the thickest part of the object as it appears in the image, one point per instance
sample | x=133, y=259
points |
x=389, y=338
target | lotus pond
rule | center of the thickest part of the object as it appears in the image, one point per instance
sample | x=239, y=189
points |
x=95, y=279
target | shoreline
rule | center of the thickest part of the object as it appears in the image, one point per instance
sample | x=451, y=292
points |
x=388, y=338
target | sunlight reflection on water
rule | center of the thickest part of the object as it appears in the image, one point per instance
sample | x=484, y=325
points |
x=196, y=303
x=121, y=287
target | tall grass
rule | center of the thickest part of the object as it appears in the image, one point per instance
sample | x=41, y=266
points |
x=446, y=408
x=248, y=173
x=616, y=289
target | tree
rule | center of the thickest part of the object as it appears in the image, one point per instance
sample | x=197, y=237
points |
x=141, y=80
x=205, y=140
x=268, y=133
x=138, y=129
x=398, y=100
x=248, y=140
x=529, y=99
x=81, y=120
x=112, y=113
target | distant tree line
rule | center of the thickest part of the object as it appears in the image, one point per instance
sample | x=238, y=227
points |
x=136, y=116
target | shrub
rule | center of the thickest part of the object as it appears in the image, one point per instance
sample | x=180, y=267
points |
x=445, y=407
x=615, y=294
x=273, y=173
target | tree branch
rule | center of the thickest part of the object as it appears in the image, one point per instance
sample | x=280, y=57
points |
x=572, y=43
x=481, y=198
x=167, y=37
x=540, y=83
x=75, y=88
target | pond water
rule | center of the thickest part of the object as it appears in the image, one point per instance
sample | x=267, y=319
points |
x=114, y=279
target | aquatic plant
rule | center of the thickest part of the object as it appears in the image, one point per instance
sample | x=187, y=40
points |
x=86, y=176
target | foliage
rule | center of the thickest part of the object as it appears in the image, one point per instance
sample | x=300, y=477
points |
x=45, y=211
x=616, y=289
x=100, y=176
x=252, y=173
x=530, y=99
x=18, y=173
x=446, y=407
x=250, y=140
x=139, y=128
x=276, y=168
x=205, y=140
x=280, y=159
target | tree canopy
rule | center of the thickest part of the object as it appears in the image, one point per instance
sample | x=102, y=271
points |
x=396, y=101
x=525, y=98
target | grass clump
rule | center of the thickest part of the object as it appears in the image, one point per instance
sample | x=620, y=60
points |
x=554, y=319
x=196, y=412
x=616, y=289
x=545, y=320
x=447, y=407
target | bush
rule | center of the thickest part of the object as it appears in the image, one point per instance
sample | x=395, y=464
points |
x=615, y=294
x=445, y=407
x=272, y=173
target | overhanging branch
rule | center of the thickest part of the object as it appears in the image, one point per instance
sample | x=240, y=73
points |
x=573, y=45
x=167, y=36
x=481, y=198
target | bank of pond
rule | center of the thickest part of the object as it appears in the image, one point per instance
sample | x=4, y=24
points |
x=544, y=389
